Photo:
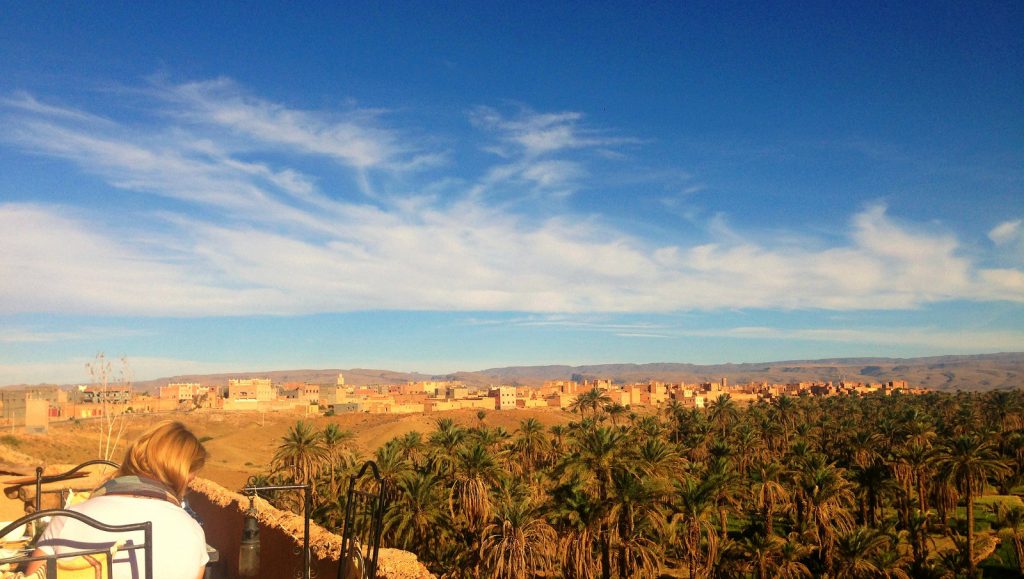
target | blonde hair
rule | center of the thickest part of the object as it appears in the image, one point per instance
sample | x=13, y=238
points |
x=167, y=452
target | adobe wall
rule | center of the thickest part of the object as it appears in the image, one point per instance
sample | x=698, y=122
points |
x=281, y=532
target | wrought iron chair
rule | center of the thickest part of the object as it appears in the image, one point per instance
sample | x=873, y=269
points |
x=68, y=475
x=364, y=519
x=99, y=560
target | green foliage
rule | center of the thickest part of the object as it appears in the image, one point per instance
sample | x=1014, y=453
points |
x=866, y=486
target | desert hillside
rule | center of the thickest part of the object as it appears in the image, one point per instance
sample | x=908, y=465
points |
x=243, y=443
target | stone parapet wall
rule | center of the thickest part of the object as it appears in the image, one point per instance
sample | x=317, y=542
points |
x=281, y=533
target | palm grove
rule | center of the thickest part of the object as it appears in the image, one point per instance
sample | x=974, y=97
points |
x=872, y=486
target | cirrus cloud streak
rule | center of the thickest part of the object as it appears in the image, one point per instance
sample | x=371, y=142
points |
x=259, y=235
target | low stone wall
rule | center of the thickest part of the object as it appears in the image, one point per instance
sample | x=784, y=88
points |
x=281, y=532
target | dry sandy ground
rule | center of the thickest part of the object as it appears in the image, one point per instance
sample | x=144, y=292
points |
x=243, y=443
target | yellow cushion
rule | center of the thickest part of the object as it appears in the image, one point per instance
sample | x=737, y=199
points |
x=76, y=498
x=82, y=567
x=85, y=566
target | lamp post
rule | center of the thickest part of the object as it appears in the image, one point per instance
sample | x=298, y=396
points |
x=251, y=528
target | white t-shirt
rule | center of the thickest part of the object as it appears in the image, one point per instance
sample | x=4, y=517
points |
x=179, y=544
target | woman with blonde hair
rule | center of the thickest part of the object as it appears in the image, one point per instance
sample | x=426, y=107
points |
x=149, y=486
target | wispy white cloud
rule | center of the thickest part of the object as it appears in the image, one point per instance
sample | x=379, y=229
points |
x=1006, y=232
x=932, y=338
x=575, y=321
x=257, y=235
x=353, y=138
x=74, y=370
x=28, y=335
x=52, y=262
x=26, y=102
x=927, y=338
x=1008, y=238
x=540, y=149
x=539, y=133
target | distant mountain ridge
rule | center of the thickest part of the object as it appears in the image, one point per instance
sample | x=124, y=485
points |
x=956, y=372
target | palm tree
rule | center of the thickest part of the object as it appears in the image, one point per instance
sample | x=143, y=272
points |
x=791, y=560
x=392, y=466
x=864, y=447
x=829, y=496
x=532, y=445
x=597, y=453
x=475, y=472
x=786, y=413
x=767, y=491
x=918, y=427
x=411, y=446
x=889, y=564
x=749, y=447
x=593, y=400
x=418, y=517
x=916, y=533
x=615, y=411
x=444, y=442
x=1015, y=528
x=335, y=443
x=731, y=561
x=856, y=552
x=636, y=523
x=518, y=542
x=558, y=432
x=762, y=550
x=968, y=462
x=648, y=427
x=723, y=476
x=301, y=453
x=694, y=508
x=872, y=482
x=657, y=458
x=1004, y=408
x=913, y=464
x=1012, y=448
x=723, y=412
x=490, y=438
x=578, y=518
x=674, y=412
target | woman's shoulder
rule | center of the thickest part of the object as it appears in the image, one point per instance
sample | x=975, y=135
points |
x=126, y=508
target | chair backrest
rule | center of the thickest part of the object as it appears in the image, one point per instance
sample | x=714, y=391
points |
x=98, y=566
x=99, y=562
x=364, y=518
x=73, y=473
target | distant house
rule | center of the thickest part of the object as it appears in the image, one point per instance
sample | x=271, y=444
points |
x=302, y=391
x=258, y=389
x=119, y=394
x=504, y=397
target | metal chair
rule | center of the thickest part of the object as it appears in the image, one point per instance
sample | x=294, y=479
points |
x=73, y=473
x=100, y=560
x=364, y=519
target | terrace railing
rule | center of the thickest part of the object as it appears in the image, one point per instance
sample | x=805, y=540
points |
x=364, y=520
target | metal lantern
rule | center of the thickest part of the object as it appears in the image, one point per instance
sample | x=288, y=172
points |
x=249, y=554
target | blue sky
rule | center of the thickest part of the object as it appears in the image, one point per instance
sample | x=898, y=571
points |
x=441, y=186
